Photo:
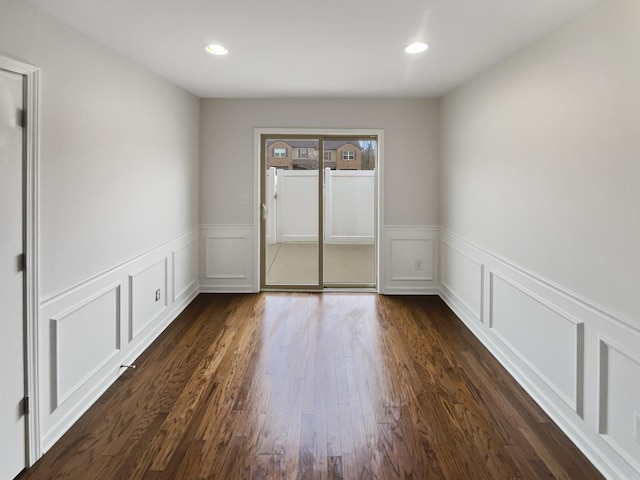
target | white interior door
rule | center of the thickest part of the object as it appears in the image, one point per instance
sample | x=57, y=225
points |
x=12, y=344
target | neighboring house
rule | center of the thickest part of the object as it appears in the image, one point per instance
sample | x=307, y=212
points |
x=303, y=155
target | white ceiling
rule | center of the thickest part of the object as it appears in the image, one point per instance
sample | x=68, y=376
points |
x=316, y=48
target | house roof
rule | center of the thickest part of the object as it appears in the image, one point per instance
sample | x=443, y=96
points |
x=328, y=144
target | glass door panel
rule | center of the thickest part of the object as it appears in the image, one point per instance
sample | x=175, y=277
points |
x=349, y=211
x=291, y=213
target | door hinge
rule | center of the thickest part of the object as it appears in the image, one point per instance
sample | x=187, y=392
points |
x=22, y=262
x=22, y=118
x=25, y=405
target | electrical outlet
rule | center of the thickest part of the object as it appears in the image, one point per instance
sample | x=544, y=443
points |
x=157, y=295
x=243, y=199
x=418, y=264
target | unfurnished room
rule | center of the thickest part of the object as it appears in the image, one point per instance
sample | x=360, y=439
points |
x=320, y=240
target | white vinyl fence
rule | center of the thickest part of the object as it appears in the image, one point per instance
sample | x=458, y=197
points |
x=292, y=206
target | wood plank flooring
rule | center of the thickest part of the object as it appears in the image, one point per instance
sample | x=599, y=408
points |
x=315, y=386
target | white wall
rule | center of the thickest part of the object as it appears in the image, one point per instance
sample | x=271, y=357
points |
x=410, y=182
x=119, y=150
x=540, y=158
x=118, y=210
x=411, y=156
x=540, y=196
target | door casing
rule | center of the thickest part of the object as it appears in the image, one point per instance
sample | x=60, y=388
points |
x=31, y=217
x=311, y=132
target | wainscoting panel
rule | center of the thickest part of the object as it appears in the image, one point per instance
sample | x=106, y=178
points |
x=409, y=260
x=185, y=269
x=223, y=254
x=88, y=331
x=148, y=296
x=619, y=422
x=97, y=322
x=549, y=342
x=577, y=360
x=463, y=278
x=226, y=258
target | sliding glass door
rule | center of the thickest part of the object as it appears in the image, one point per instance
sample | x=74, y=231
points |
x=290, y=211
x=318, y=212
x=349, y=212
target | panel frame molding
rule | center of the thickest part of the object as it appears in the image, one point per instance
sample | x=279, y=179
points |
x=480, y=314
x=427, y=283
x=597, y=322
x=576, y=404
x=217, y=282
x=165, y=302
x=64, y=293
x=605, y=344
x=54, y=424
x=571, y=297
x=57, y=399
x=194, y=282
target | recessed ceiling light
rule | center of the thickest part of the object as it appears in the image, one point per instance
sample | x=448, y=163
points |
x=417, y=47
x=214, y=49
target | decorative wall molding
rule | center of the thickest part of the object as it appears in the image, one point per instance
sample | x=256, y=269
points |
x=147, y=296
x=619, y=398
x=60, y=294
x=226, y=258
x=557, y=289
x=569, y=354
x=74, y=363
x=88, y=331
x=526, y=334
x=467, y=273
x=409, y=260
x=184, y=261
x=589, y=391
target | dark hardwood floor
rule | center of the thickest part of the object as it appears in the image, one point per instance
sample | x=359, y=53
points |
x=353, y=386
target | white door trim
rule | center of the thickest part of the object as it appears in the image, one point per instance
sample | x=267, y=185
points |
x=259, y=131
x=32, y=102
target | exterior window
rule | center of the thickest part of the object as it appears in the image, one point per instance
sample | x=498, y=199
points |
x=279, y=152
x=302, y=153
x=348, y=155
x=327, y=156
